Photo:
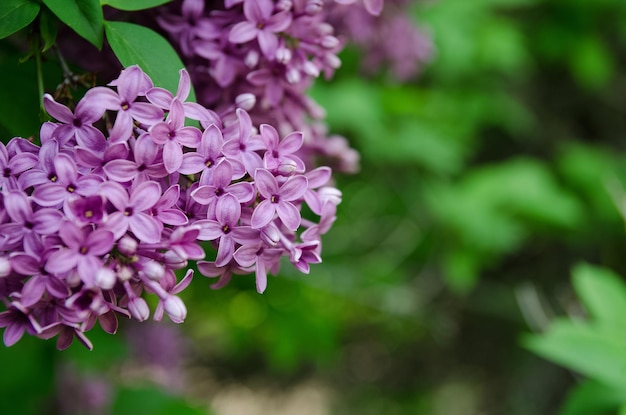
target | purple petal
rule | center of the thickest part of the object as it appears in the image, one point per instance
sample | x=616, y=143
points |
x=25, y=264
x=268, y=42
x=65, y=169
x=374, y=7
x=90, y=137
x=210, y=230
x=257, y=11
x=22, y=162
x=13, y=333
x=145, y=195
x=100, y=242
x=172, y=156
x=228, y=210
x=189, y=136
x=192, y=163
x=222, y=174
x=242, y=32
x=103, y=97
x=291, y=143
x=293, y=188
x=49, y=194
x=120, y=170
x=146, y=113
x=56, y=110
x=184, y=84
x=33, y=290
x=46, y=221
x=289, y=215
x=246, y=255
x=89, y=110
x=279, y=22
x=261, y=276
x=174, y=217
x=262, y=214
x=318, y=177
x=18, y=206
x=243, y=191
x=71, y=235
x=225, y=251
x=145, y=227
x=116, y=194
x=170, y=196
x=270, y=136
x=160, y=97
x=265, y=183
x=61, y=261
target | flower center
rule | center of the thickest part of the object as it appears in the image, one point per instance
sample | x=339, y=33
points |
x=71, y=188
x=7, y=172
x=274, y=199
x=226, y=229
x=83, y=250
x=128, y=211
x=89, y=213
x=53, y=177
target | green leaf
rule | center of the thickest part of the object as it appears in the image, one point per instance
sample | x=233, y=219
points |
x=593, y=351
x=131, y=5
x=48, y=29
x=83, y=16
x=15, y=15
x=603, y=294
x=591, y=398
x=138, y=45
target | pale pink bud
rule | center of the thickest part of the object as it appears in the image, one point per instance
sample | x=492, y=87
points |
x=330, y=42
x=283, y=55
x=175, y=308
x=127, y=245
x=153, y=270
x=105, y=278
x=124, y=273
x=139, y=309
x=245, y=101
x=5, y=267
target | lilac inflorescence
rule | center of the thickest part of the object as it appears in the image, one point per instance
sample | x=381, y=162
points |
x=123, y=192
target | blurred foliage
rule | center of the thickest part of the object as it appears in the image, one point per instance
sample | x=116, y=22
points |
x=482, y=183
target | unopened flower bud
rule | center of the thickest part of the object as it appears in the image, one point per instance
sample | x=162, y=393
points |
x=330, y=42
x=105, y=278
x=293, y=76
x=252, y=59
x=175, y=308
x=311, y=69
x=172, y=260
x=270, y=234
x=139, y=309
x=330, y=194
x=127, y=245
x=287, y=167
x=283, y=55
x=313, y=7
x=5, y=267
x=153, y=270
x=245, y=101
x=284, y=5
x=124, y=273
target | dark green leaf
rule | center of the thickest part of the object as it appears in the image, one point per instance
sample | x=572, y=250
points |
x=591, y=398
x=48, y=29
x=133, y=4
x=138, y=45
x=83, y=16
x=15, y=15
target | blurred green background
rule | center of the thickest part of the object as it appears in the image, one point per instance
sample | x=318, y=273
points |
x=483, y=183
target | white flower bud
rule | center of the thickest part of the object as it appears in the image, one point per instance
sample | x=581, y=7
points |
x=293, y=76
x=105, y=278
x=127, y=245
x=139, y=309
x=283, y=55
x=175, y=308
x=153, y=270
x=5, y=267
x=330, y=42
x=245, y=101
x=124, y=273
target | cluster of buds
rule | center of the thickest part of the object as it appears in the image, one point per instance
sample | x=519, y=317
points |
x=130, y=186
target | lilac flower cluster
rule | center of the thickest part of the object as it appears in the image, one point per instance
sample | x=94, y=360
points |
x=124, y=191
x=264, y=55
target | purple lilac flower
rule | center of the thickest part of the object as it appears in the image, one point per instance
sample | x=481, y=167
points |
x=278, y=199
x=86, y=232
